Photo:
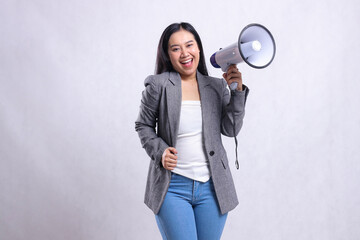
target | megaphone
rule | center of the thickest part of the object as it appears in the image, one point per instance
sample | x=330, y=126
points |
x=255, y=46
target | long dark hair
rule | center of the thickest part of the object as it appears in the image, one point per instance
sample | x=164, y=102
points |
x=163, y=63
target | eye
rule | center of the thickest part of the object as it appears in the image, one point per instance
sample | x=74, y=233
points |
x=190, y=45
x=175, y=49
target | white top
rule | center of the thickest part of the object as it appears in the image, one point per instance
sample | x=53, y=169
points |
x=191, y=160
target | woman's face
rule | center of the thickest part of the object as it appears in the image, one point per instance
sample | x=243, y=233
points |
x=184, y=53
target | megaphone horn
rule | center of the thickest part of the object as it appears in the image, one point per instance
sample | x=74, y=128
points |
x=255, y=46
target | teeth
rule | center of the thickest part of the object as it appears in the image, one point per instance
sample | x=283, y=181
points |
x=187, y=61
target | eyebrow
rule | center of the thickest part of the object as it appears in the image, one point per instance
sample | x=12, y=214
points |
x=174, y=45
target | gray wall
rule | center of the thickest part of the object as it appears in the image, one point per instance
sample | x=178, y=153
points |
x=71, y=76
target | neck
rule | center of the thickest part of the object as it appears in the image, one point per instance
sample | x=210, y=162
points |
x=189, y=78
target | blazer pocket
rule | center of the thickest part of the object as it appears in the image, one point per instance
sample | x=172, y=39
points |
x=224, y=161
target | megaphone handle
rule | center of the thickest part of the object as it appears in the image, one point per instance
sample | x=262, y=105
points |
x=233, y=86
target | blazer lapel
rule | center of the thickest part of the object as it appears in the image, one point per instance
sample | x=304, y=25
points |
x=202, y=81
x=173, y=102
x=205, y=98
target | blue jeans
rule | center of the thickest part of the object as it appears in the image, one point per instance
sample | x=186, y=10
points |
x=190, y=211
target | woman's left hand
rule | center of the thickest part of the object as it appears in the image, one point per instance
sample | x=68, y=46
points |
x=233, y=75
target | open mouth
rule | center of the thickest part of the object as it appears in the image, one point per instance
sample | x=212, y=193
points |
x=187, y=63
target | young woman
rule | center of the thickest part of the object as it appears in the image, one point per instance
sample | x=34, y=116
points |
x=182, y=115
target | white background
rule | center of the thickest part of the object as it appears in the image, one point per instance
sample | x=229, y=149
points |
x=71, y=76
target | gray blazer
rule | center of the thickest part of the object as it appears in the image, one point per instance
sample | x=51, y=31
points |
x=160, y=109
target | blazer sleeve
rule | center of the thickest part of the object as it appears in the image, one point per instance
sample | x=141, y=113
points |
x=233, y=110
x=147, y=120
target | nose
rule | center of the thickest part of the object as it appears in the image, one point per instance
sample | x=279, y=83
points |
x=184, y=53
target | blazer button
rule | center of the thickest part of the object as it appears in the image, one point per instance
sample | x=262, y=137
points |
x=211, y=153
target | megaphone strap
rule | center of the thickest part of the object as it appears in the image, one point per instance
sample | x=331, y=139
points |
x=236, y=142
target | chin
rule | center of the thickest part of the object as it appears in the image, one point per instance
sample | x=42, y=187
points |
x=188, y=72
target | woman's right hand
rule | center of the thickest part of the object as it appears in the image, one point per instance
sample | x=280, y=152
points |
x=169, y=159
